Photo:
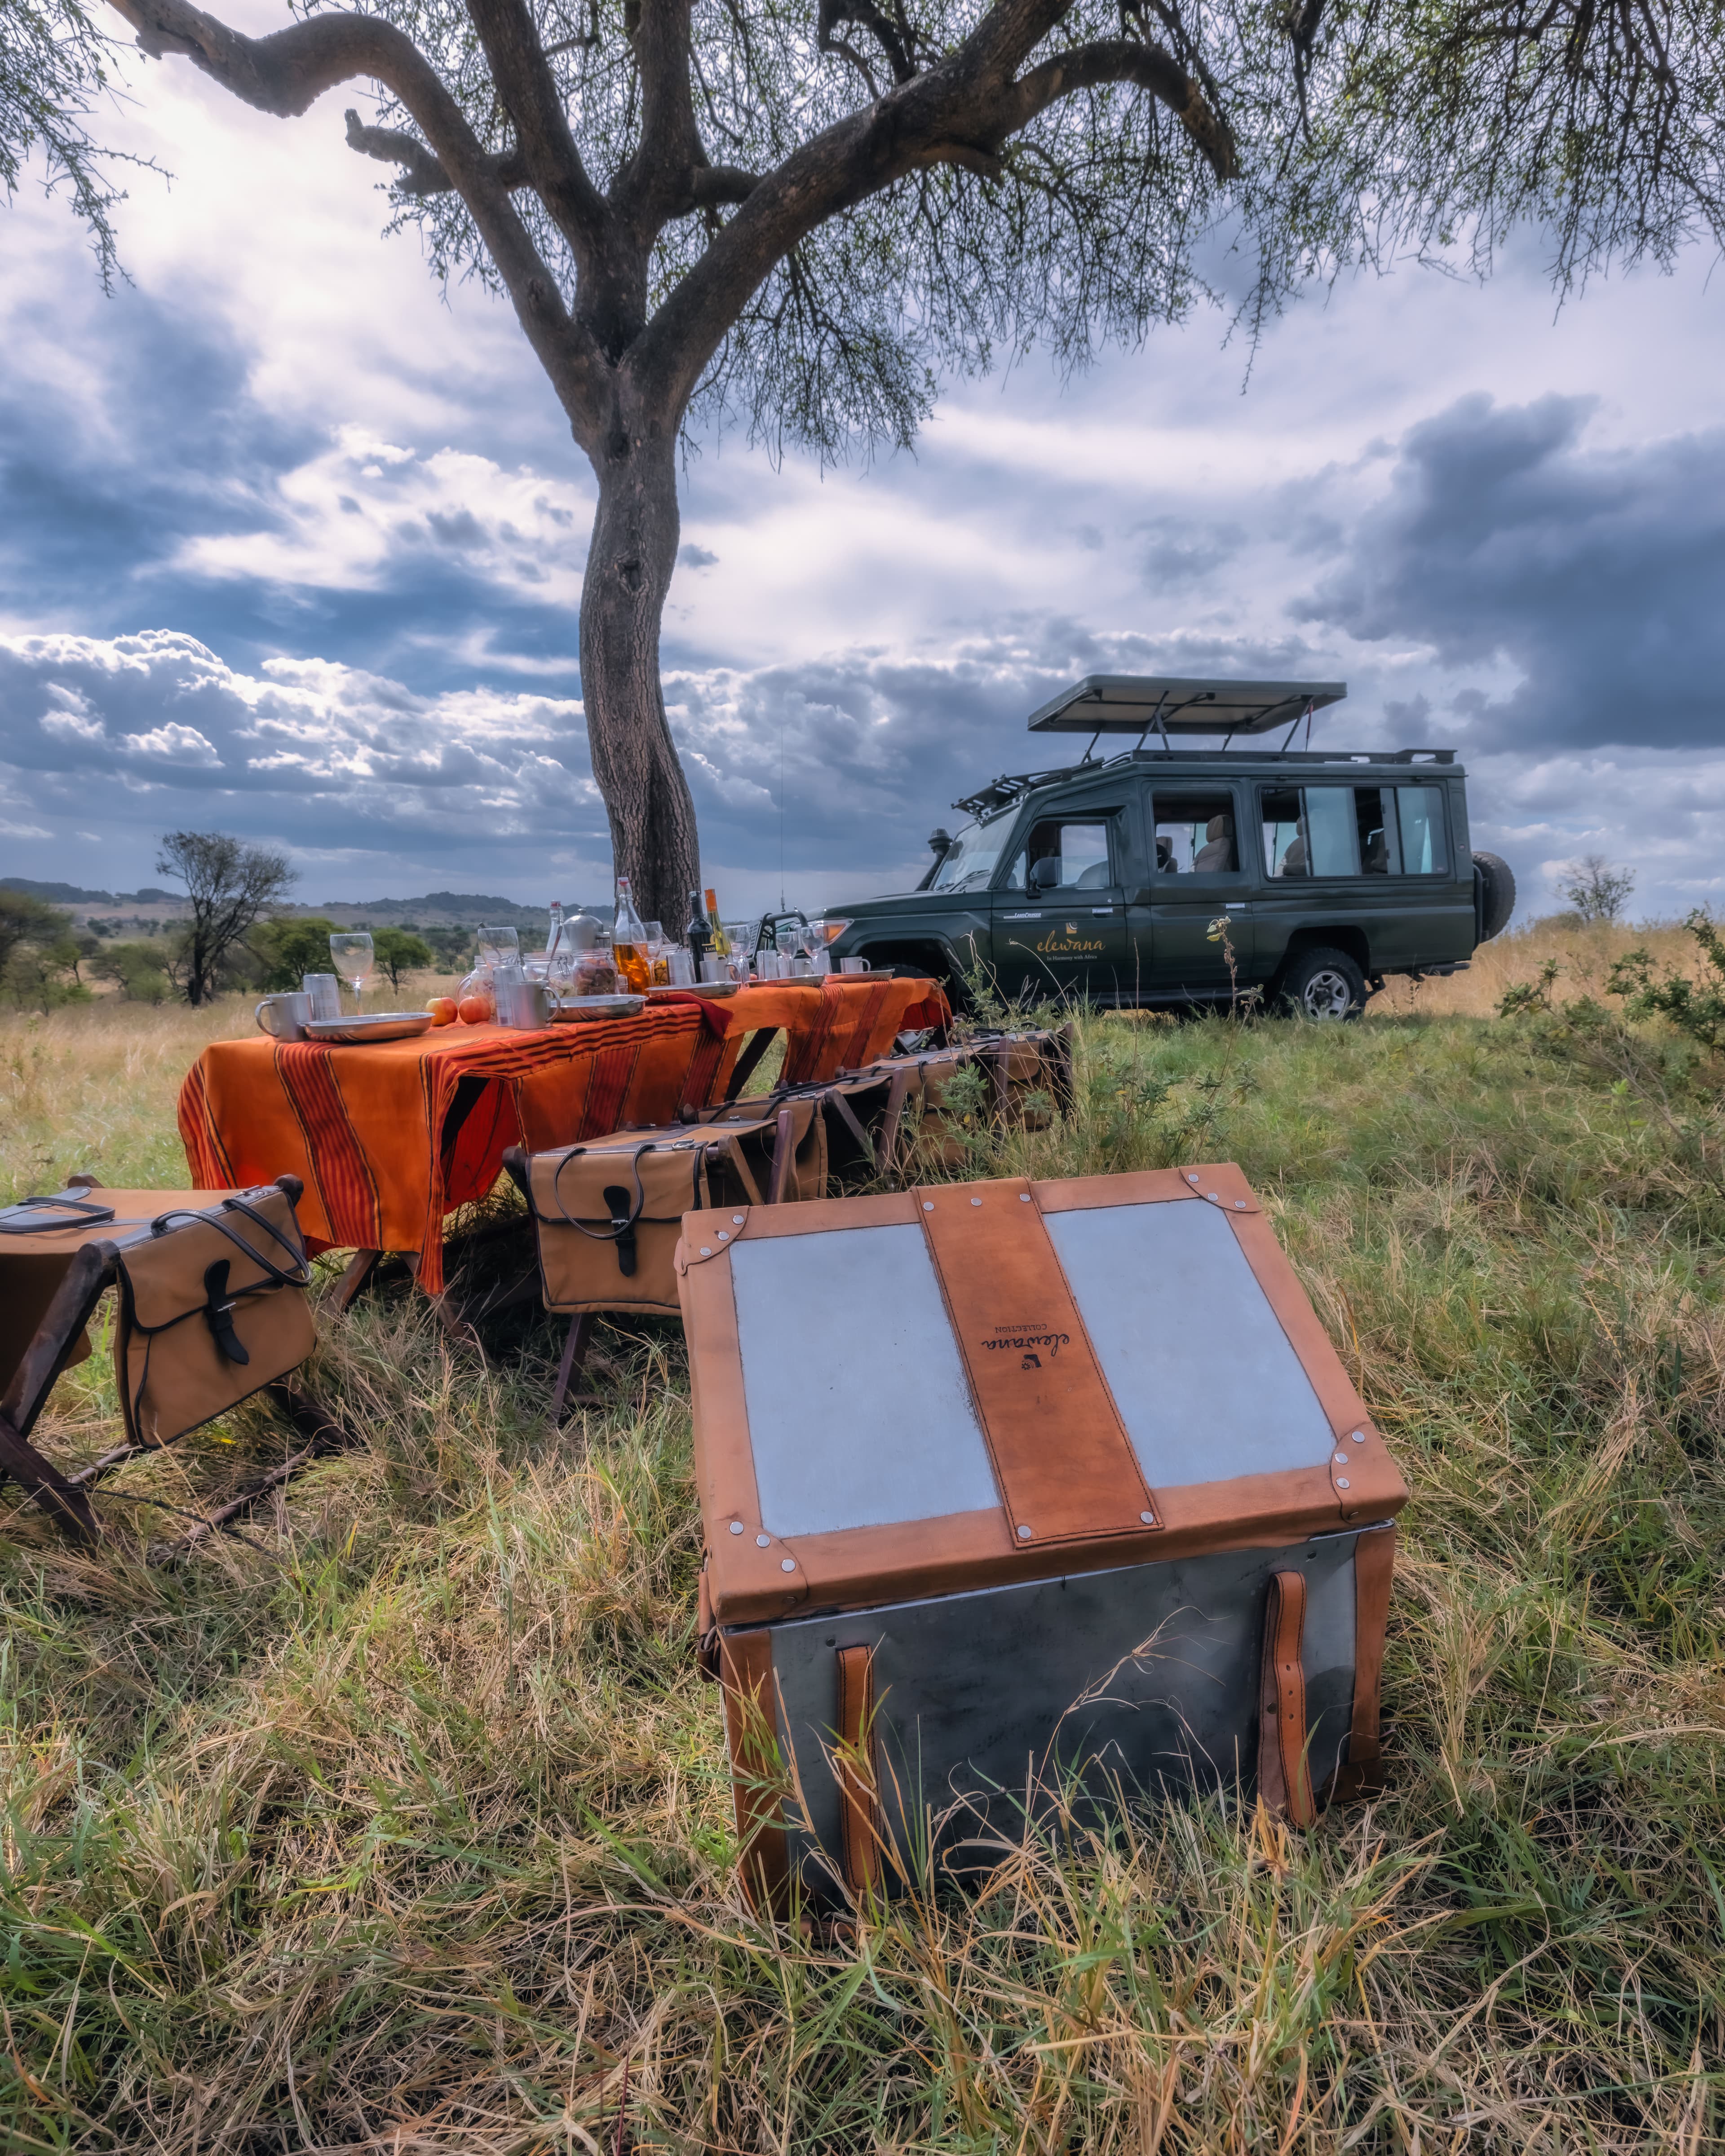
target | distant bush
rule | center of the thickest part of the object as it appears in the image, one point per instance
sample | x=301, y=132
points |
x=137, y=970
x=1695, y=1008
x=287, y=950
x=398, y=951
x=1594, y=888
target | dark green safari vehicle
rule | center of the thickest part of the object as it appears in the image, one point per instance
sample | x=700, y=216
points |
x=1107, y=879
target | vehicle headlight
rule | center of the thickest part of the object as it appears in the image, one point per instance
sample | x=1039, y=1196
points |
x=833, y=930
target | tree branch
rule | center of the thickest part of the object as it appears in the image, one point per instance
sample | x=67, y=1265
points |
x=655, y=183
x=422, y=174
x=714, y=185
x=283, y=74
x=1125, y=60
x=530, y=93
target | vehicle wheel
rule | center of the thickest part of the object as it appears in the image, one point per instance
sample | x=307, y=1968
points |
x=1497, y=895
x=1322, y=984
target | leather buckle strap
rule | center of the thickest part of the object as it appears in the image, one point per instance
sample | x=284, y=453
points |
x=859, y=1804
x=1284, y=1770
x=218, y=1311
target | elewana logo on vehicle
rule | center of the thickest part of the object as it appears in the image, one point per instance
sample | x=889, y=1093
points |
x=1067, y=943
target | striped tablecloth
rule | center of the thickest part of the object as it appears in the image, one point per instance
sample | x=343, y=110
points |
x=389, y=1138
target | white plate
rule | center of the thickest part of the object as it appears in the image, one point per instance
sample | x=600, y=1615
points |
x=373, y=1025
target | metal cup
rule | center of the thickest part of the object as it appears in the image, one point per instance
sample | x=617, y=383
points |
x=854, y=966
x=526, y=1005
x=716, y=969
x=325, y=992
x=284, y=1016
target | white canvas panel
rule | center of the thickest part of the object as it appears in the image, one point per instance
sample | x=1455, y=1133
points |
x=1205, y=1380
x=860, y=1414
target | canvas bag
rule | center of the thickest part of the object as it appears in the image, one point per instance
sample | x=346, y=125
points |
x=213, y=1308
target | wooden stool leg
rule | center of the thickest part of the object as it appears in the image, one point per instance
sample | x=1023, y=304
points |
x=574, y=1355
x=52, y=1492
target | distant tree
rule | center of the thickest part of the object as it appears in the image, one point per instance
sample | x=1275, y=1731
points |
x=726, y=209
x=453, y=950
x=136, y=968
x=24, y=919
x=227, y=885
x=1597, y=891
x=1695, y=1008
x=399, y=952
x=288, y=948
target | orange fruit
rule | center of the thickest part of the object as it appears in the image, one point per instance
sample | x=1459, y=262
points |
x=474, y=1010
x=443, y=1009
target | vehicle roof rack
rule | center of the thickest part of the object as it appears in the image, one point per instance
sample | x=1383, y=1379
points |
x=1011, y=787
x=1145, y=703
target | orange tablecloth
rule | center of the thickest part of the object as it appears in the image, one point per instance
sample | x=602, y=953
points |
x=389, y=1138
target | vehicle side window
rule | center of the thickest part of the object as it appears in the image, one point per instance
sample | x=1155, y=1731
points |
x=1419, y=817
x=1063, y=854
x=1353, y=830
x=1194, y=833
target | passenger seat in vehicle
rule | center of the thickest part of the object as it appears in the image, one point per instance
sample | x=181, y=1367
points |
x=1216, y=858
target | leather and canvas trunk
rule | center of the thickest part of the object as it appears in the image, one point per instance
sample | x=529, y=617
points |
x=1119, y=1525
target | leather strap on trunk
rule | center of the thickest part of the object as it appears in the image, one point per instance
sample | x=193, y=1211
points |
x=1284, y=1774
x=860, y=1810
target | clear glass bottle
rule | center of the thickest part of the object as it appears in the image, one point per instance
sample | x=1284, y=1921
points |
x=554, y=934
x=628, y=943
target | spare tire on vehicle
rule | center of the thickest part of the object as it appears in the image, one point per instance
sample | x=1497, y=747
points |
x=1497, y=890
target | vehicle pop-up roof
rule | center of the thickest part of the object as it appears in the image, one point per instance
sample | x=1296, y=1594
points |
x=1144, y=704
x=1150, y=703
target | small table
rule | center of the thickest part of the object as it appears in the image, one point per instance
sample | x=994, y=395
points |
x=389, y=1138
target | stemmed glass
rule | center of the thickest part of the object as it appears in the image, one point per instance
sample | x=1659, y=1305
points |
x=352, y=951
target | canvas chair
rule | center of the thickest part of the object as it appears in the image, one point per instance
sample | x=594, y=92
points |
x=211, y=1309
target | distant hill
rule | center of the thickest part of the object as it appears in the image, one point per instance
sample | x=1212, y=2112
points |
x=71, y=893
x=435, y=909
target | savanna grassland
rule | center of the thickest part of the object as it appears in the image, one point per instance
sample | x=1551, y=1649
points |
x=401, y=1822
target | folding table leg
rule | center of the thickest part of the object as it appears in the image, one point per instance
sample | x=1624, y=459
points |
x=52, y=1492
x=351, y=1285
x=575, y=1347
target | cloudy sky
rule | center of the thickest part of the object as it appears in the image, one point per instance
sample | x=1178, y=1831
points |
x=290, y=545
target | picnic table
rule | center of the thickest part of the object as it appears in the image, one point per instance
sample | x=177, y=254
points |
x=389, y=1138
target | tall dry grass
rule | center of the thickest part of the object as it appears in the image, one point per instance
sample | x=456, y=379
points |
x=404, y=1825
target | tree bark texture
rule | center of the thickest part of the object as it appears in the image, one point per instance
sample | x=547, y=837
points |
x=634, y=761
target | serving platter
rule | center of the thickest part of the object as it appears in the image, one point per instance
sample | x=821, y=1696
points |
x=369, y=1025
x=577, y=1010
x=715, y=988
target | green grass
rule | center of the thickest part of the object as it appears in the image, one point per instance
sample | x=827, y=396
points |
x=403, y=1824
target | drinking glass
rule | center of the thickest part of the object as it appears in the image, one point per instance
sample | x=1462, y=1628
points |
x=658, y=955
x=352, y=951
x=499, y=947
x=325, y=991
x=679, y=966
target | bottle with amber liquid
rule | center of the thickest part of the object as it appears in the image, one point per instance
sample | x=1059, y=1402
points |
x=629, y=943
x=718, y=942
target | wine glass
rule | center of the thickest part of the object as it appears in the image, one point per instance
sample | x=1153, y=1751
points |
x=352, y=951
x=499, y=947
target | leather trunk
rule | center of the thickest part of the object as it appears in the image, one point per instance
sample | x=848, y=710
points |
x=1123, y=1530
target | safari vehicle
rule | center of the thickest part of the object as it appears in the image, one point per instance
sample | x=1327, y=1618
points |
x=1108, y=879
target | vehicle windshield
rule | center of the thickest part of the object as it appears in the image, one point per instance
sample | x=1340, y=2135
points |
x=971, y=859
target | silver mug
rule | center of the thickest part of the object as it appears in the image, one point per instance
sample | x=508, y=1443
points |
x=526, y=1005
x=287, y=1015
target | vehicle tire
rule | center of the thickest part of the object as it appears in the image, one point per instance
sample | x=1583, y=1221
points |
x=1497, y=895
x=1324, y=985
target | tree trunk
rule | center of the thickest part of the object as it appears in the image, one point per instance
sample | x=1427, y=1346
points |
x=634, y=761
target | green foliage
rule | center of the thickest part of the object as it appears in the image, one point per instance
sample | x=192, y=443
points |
x=398, y=951
x=24, y=919
x=228, y=883
x=290, y=947
x=1695, y=1008
x=1523, y=996
x=137, y=968
x=453, y=950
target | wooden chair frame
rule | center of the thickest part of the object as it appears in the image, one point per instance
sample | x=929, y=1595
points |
x=95, y=1268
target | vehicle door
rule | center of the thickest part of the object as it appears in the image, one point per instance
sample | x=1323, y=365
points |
x=1375, y=857
x=1199, y=877
x=1059, y=911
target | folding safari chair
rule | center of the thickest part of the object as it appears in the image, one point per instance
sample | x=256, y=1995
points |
x=607, y=1213
x=211, y=1308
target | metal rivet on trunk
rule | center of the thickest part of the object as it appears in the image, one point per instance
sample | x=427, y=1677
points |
x=1239, y=1205
x=1212, y=1195
x=787, y=1564
x=1341, y=1459
x=762, y=1541
x=1148, y=1519
x=705, y=1251
x=1024, y=1534
x=724, y=1234
x=737, y=1219
x=928, y=1205
x=976, y=1201
x=1023, y=1198
x=737, y=1527
x=1359, y=1437
x=1341, y=1481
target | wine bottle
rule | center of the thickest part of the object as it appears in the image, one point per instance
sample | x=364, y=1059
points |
x=628, y=943
x=718, y=941
x=697, y=935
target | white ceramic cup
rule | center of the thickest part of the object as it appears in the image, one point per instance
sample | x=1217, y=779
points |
x=716, y=969
x=284, y=1016
x=325, y=992
x=854, y=966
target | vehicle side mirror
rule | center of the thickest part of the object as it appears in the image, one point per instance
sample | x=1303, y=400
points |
x=1045, y=875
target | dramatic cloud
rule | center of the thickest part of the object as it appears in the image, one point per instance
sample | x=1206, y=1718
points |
x=1595, y=574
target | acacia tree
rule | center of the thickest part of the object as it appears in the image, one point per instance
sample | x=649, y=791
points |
x=228, y=884
x=799, y=213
